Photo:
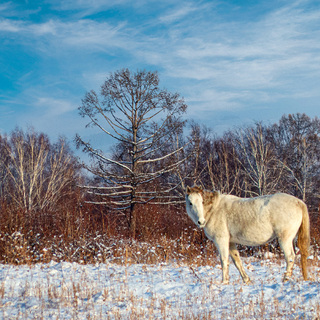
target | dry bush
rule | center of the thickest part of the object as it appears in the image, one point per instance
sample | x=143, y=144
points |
x=156, y=220
x=88, y=235
x=315, y=225
x=85, y=233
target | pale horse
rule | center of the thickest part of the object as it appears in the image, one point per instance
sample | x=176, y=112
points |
x=229, y=220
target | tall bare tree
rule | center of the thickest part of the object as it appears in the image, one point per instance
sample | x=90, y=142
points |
x=145, y=122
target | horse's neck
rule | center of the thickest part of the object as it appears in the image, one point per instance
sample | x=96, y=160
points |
x=212, y=200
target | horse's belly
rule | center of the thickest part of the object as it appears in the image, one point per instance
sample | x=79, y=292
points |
x=252, y=237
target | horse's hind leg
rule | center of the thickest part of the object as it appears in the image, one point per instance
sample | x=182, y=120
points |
x=287, y=247
x=234, y=253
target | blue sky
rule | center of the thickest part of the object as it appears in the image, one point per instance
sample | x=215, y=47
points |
x=234, y=62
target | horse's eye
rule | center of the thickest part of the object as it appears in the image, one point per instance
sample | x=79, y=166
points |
x=190, y=203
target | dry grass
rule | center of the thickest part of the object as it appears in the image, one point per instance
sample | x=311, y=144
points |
x=102, y=248
x=77, y=295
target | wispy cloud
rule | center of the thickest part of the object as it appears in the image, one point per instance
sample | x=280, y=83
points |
x=80, y=33
x=258, y=55
x=54, y=107
x=9, y=26
x=218, y=55
x=6, y=6
x=179, y=13
x=84, y=8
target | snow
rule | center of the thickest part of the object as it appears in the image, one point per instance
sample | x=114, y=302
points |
x=167, y=291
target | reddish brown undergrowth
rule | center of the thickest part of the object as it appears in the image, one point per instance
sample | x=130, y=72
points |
x=89, y=234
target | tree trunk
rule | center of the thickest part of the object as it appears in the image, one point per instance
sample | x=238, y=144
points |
x=133, y=222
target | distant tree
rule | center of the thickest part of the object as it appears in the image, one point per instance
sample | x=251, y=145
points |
x=145, y=122
x=38, y=173
x=193, y=171
x=259, y=163
x=223, y=165
x=297, y=141
x=4, y=160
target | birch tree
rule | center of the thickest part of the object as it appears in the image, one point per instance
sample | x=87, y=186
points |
x=213, y=162
x=38, y=173
x=297, y=140
x=145, y=123
x=261, y=167
x=223, y=166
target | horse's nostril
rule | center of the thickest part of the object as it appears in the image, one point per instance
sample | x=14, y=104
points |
x=199, y=222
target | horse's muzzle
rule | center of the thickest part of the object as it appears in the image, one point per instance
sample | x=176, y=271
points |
x=201, y=223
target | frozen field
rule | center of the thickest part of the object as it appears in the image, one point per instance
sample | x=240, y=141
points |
x=110, y=291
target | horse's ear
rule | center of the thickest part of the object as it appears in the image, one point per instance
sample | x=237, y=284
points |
x=188, y=190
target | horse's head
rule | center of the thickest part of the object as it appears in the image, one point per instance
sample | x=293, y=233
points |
x=194, y=205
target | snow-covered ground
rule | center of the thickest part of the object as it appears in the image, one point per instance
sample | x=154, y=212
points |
x=169, y=291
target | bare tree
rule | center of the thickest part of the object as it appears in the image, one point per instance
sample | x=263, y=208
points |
x=297, y=141
x=145, y=121
x=261, y=167
x=223, y=166
x=37, y=172
x=4, y=161
x=193, y=171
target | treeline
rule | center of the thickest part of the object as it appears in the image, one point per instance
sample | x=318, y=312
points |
x=44, y=207
x=260, y=159
x=38, y=183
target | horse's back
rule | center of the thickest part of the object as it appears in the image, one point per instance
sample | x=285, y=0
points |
x=284, y=199
x=278, y=204
x=254, y=221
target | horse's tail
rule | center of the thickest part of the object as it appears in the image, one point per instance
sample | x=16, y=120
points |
x=304, y=240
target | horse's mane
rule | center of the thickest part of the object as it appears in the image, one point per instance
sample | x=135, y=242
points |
x=208, y=196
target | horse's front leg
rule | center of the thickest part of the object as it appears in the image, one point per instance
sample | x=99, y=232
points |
x=223, y=248
x=237, y=262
